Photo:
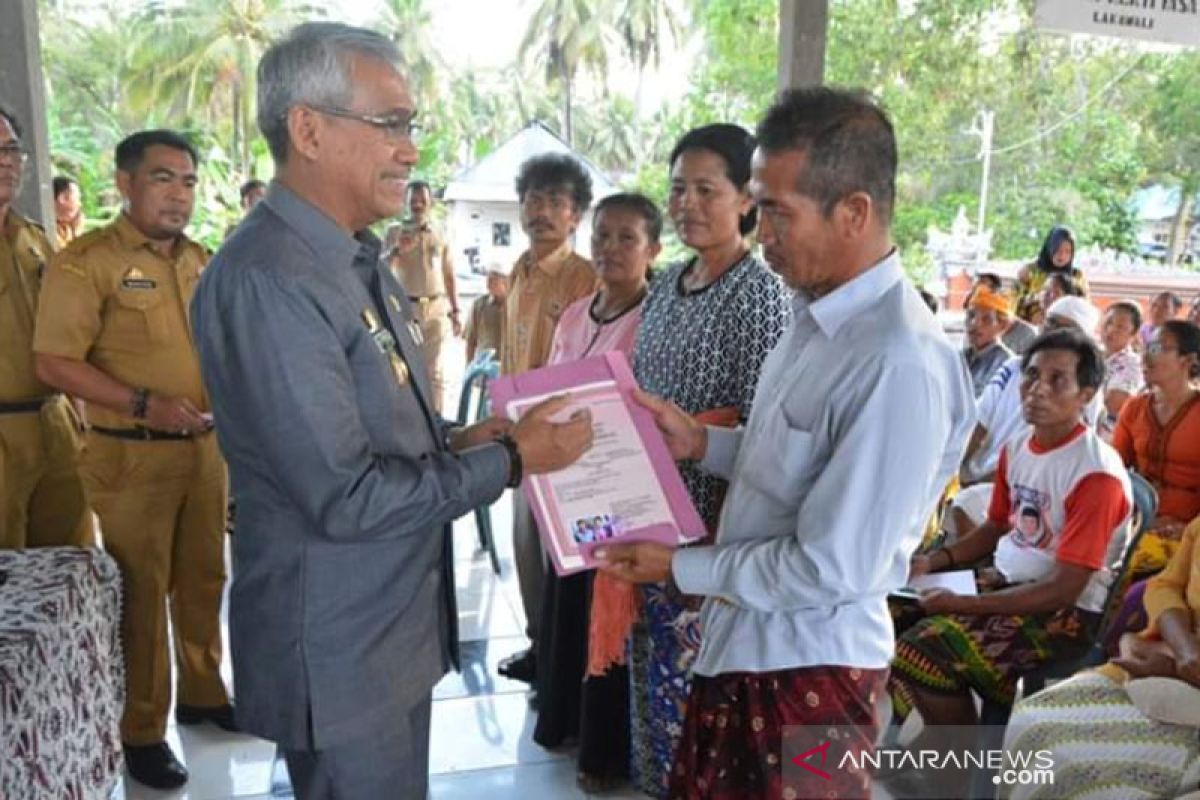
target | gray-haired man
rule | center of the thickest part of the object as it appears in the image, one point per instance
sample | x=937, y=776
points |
x=342, y=608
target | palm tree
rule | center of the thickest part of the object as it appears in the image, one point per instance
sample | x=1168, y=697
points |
x=201, y=58
x=644, y=27
x=483, y=110
x=564, y=35
x=407, y=24
x=608, y=133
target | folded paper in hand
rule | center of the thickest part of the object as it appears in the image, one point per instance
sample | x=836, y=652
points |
x=625, y=489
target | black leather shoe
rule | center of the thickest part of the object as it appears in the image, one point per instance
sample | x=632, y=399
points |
x=155, y=766
x=221, y=716
x=520, y=667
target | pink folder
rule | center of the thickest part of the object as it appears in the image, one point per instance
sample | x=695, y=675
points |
x=684, y=524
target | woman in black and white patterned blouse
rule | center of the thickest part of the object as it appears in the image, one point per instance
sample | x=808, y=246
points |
x=708, y=323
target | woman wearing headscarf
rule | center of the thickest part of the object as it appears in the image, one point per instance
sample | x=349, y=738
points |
x=1057, y=257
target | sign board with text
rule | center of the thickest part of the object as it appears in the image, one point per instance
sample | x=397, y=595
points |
x=1168, y=21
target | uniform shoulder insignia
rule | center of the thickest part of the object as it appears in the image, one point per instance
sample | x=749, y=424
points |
x=38, y=234
x=81, y=244
x=71, y=267
x=200, y=250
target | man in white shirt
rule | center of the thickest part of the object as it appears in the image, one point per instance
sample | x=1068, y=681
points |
x=862, y=412
x=1056, y=534
x=1000, y=419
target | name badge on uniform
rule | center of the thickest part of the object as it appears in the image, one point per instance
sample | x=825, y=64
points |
x=387, y=345
x=40, y=258
x=134, y=279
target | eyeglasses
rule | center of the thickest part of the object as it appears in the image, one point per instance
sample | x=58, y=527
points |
x=395, y=126
x=13, y=152
x=1158, y=348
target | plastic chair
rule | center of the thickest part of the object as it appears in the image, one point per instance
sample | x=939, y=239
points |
x=994, y=716
x=482, y=369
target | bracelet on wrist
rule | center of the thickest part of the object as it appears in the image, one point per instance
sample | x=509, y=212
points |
x=139, y=404
x=515, y=467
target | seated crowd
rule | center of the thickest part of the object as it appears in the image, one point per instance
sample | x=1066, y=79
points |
x=782, y=356
x=1043, y=517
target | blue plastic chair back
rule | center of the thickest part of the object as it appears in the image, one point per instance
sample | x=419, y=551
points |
x=482, y=369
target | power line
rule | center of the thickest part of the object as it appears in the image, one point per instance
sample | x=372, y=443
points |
x=1042, y=134
x=1079, y=111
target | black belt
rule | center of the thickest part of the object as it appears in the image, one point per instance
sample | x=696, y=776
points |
x=26, y=406
x=429, y=298
x=145, y=434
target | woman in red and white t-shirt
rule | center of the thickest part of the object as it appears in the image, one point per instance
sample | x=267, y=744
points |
x=1055, y=532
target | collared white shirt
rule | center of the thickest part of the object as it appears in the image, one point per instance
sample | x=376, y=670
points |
x=860, y=418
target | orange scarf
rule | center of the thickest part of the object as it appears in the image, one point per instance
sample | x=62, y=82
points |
x=615, y=604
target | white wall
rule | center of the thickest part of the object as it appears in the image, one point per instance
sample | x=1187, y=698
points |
x=472, y=224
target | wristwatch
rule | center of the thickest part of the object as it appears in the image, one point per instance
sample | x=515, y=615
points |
x=515, y=470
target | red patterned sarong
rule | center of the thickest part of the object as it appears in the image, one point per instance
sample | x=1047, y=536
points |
x=732, y=747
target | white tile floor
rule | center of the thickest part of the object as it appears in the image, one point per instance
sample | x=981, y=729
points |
x=481, y=745
x=481, y=742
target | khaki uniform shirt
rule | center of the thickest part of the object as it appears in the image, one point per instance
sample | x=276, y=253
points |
x=65, y=234
x=24, y=251
x=485, y=326
x=418, y=259
x=540, y=292
x=112, y=300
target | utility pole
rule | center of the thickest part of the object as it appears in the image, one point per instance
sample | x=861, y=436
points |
x=21, y=90
x=983, y=127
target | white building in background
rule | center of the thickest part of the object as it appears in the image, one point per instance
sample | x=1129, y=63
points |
x=483, y=218
x=1156, y=207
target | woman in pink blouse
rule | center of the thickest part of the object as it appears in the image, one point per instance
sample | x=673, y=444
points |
x=625, y=231
x=595, y=710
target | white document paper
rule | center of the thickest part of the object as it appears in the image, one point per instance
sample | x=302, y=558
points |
x=612, y=489
x=960, y=582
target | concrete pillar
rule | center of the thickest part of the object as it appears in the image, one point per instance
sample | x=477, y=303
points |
x=23, y=91
x=802, y=28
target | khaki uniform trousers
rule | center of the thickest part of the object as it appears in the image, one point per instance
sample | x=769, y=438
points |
x=431, y=317
x=161, y=506
x=42, y=502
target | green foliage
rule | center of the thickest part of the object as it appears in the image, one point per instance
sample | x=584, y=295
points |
x=407, y=23
x=918, y=264
x=1080, y=122
x=197, y=62
x=1074, y=138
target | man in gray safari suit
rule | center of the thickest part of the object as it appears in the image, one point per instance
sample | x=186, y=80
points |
x=342, y=606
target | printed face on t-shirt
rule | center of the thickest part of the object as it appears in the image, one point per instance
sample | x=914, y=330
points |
x=1028, y=526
